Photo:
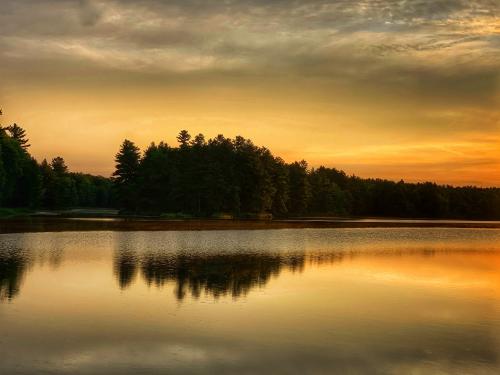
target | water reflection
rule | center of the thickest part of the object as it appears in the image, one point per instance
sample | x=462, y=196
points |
x=17, y=257
x=13, y=265
x=280, y=302
x=217, y=264
x=216, y=275
x=125, y=267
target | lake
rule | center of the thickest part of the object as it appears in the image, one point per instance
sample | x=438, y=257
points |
x=287, y=301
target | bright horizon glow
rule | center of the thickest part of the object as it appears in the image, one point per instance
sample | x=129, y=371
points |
x=375, y=88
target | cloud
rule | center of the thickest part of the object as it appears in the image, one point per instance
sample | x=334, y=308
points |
x=396, y=67
x=445, y=50
x=90, y=13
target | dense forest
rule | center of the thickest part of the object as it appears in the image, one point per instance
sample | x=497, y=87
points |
x=25, y=183
x=235, y=177
x=223, y=177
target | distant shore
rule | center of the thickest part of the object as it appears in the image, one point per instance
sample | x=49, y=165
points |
x=58, y=224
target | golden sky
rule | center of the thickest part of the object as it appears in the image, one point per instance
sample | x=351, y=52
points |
x=385, y=88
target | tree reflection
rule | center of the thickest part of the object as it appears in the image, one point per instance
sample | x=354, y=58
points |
x=13, y=266
x=218, y=275
x=125, y=268
x=213, y=274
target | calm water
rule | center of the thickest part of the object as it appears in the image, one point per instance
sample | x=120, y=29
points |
x=244, y=302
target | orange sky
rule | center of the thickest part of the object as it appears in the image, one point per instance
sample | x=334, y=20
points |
x=377, y=88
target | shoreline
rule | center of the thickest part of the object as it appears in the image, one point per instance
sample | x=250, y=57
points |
x=59, y=224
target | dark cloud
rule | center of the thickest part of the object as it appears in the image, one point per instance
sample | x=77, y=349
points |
x=90, y=13
x=442, y=49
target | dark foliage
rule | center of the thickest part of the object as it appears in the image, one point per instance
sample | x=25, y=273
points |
x=224, y=177
x=235, y=177
x=25, y=183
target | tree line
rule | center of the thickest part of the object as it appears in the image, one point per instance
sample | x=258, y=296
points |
x=25, y=183
x=221, y=175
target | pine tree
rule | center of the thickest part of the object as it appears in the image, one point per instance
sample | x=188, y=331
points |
x=126, y=175
x=59, y=166
x=299, y=187
x=19, y=134
x=183, y=138
x=127, y=162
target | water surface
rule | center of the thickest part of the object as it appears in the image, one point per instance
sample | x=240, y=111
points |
x=291, y=301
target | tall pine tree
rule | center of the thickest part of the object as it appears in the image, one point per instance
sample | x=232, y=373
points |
x=126, y=175
x=19, y=134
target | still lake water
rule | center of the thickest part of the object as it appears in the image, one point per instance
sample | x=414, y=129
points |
x=292, y=301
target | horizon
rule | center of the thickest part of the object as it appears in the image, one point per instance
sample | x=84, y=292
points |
x=173, y=144
x=377, y=89
x=249, y=186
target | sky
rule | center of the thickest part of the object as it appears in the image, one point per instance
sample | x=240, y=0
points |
x=395, y=89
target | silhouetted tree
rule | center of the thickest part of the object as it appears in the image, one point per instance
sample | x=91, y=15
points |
x=326, y=195
x=126, y=175
x=281, y=184
x=19, y=134
x=25, y=183
x=183, y=138
x=62, y=187
x=235, y=176
x=18, y=174
x=221, y=176
x=299, y=187
x=199, y=141
x=59, y=167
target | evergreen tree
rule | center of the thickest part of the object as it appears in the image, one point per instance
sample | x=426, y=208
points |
x=13, y=161
x=19, y=134
x=224, y=175
x=281, y=183
x=199, y=140
x=48, y=198
x=28, y=185
x=126, y=175
x=59, y=166
x=183, y=138
x=155, y=176
x=2, y=174
x=61, y=188
x=25, y=183
x=299, y=188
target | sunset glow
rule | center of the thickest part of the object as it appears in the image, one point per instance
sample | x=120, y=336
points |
x=379, y=88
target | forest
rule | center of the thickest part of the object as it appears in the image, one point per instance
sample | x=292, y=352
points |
x=223, y=177
x=235, y=177
x=25, y=183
